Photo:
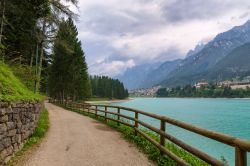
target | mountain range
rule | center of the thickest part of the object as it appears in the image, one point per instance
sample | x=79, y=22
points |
x=224, y=57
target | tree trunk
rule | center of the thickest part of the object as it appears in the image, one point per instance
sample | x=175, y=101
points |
x=39, y=68
x=37, y=49
x=41, y=58
x=2, y=21
x=31, y=58
x=1, y=29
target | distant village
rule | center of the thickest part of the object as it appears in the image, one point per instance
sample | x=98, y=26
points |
x=144, y=92
x=233, y=84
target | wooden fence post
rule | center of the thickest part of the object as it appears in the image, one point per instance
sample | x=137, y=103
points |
x=96, y=107
x=136, y=123
x=162, y=138
x=118, y=116
x=240, y=157
x=106, y=113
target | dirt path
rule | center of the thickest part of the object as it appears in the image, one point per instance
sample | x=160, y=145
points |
x=76, y=140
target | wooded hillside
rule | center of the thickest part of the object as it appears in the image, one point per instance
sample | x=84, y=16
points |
x=39, y=41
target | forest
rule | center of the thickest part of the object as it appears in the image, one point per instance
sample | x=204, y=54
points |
x=108, y=87
x=39, y=42
x=211, y=91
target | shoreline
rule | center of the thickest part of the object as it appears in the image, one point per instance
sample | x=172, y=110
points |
x=132, y=98
x=109, y=101
x=193, y=97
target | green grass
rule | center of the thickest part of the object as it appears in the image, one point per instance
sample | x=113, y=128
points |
x=152, y=152
x=34, y=139
x=12, y=89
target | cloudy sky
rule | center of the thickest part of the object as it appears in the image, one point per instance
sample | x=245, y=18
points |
x=119, y=34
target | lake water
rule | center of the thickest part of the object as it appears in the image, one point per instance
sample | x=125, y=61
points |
x=228, y=116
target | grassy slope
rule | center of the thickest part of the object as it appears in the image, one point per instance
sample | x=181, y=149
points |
x=35, y=138
x=11, y=88
x=25, y=74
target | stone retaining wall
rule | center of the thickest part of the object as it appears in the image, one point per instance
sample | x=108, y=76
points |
x=17, y=123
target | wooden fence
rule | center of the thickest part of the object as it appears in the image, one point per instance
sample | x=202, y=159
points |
x=242, y=147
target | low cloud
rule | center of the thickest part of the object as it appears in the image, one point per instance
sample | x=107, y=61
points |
x=111, y=68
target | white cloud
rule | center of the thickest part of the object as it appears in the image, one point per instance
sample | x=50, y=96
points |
x=112, y=68
x=116, y=33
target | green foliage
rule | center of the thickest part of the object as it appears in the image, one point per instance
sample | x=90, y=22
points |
x=106, y=87
x=11, y=88
x=208, y=91
x=21, y=27
x=35, y=138
x=68, y=75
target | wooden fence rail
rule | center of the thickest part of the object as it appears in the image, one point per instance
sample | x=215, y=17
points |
x=242, y=147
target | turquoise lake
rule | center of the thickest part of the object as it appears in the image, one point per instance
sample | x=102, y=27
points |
x=228, y=116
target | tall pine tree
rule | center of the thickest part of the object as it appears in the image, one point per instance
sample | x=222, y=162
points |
x=68, y=75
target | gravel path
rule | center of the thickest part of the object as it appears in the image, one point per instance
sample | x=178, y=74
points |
x=76, y=140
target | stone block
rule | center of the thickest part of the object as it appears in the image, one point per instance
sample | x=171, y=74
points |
x=11, y=133
x=9, y=150
x=4, y=119
x=19, y=131
x=16, y=110
x=25, y=135
x=10, y=117
x=19, y=125
x=16, y=139
x=2, y=111
x=4, y=105
x=3, y=135
x=15, y=147
x=9, y=110
x=3, y=128
x=6, y=142
x=1, y=146
x=16, y=117
x=19, y=138
x=10, y=125
x=3, y=154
